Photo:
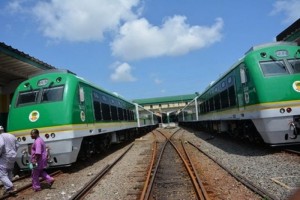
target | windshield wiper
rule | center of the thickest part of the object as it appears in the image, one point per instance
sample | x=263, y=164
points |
x=278, y=62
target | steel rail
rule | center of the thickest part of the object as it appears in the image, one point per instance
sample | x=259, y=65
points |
x=150, y=185
x=203, y=190
x=198, y=190
x=149, y=171
x=88, y=186
x=28, y=186
x=246, y=182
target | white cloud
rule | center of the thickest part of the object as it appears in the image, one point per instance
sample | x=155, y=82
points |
x=77, y=20
x=290, y=8
x=157, y=81
x=138, y=39
x=15, y=6
x=122, y=73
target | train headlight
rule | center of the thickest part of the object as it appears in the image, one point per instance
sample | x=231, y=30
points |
x=288, y=110
x=19, y=139
x=24, y=138
x=53, y=135
x=282, y=110
x=263, y=54
x=47, y=135
x=58, y=79
x=26, y=85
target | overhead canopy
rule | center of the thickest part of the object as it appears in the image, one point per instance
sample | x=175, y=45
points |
x=16, y=66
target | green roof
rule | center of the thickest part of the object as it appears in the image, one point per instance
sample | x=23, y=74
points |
x=168, y=99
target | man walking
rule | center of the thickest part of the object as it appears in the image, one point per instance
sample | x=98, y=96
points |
x=39, y=159
x=8, y=153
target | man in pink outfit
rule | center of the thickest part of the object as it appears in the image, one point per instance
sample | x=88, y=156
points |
x=39, y=159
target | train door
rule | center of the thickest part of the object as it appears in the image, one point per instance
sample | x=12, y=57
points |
x=86, y=114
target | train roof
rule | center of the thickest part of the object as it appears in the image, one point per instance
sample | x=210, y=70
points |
x=253, y=48
x=65, y=71
x=261, y=46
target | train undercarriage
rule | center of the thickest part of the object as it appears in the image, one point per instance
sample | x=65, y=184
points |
x=101, y=143
x=239, y=129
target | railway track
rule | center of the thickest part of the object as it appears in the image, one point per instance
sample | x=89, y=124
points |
x=172, y=175
x=263, y=193
x=26, y=186
x=89, y=186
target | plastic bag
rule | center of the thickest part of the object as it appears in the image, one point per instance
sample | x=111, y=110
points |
x=32, y=165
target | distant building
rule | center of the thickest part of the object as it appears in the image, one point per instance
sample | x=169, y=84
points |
x=166, y=106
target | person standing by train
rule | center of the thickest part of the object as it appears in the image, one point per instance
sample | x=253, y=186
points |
x=39, y=160
x=8, y=153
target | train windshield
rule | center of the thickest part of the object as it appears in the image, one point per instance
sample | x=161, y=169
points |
x=47, y=95
x=52, y=94
x=28, y=97
x=274, y=68
x=279, y=67
x=295, y=64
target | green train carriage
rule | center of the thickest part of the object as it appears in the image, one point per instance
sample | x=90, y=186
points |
x=75, y=118
x=258, y=98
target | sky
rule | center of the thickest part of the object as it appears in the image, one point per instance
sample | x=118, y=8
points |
x=144, y=48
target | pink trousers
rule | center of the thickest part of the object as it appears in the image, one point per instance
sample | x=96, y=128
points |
x=36, y=173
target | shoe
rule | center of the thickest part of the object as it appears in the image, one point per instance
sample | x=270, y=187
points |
x=51, y=183
x=11, y=190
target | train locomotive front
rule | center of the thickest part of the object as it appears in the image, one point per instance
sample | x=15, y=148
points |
x=74, y=117
x=256, y=99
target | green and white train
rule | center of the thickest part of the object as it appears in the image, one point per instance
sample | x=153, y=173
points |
x=258, y=98
x=74, y=117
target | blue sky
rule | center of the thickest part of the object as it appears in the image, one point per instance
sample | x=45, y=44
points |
x=144, y=48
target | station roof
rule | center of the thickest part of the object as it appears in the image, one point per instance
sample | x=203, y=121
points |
x=168, y=99
x=16, y=65
x=291, y=33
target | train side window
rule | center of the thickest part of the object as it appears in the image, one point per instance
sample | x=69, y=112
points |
x=224, y=99
x=125, y=114
x=232, y=96
x=207, y=106
x=120, y=114
x=114, y=112
x=217, y=101
x=105, y=111
x=211, y=104
x=97, y=111
x=243, y=75
x=81, y=94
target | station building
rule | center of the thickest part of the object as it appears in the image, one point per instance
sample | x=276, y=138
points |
x=17, y=66
x=166, y=107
